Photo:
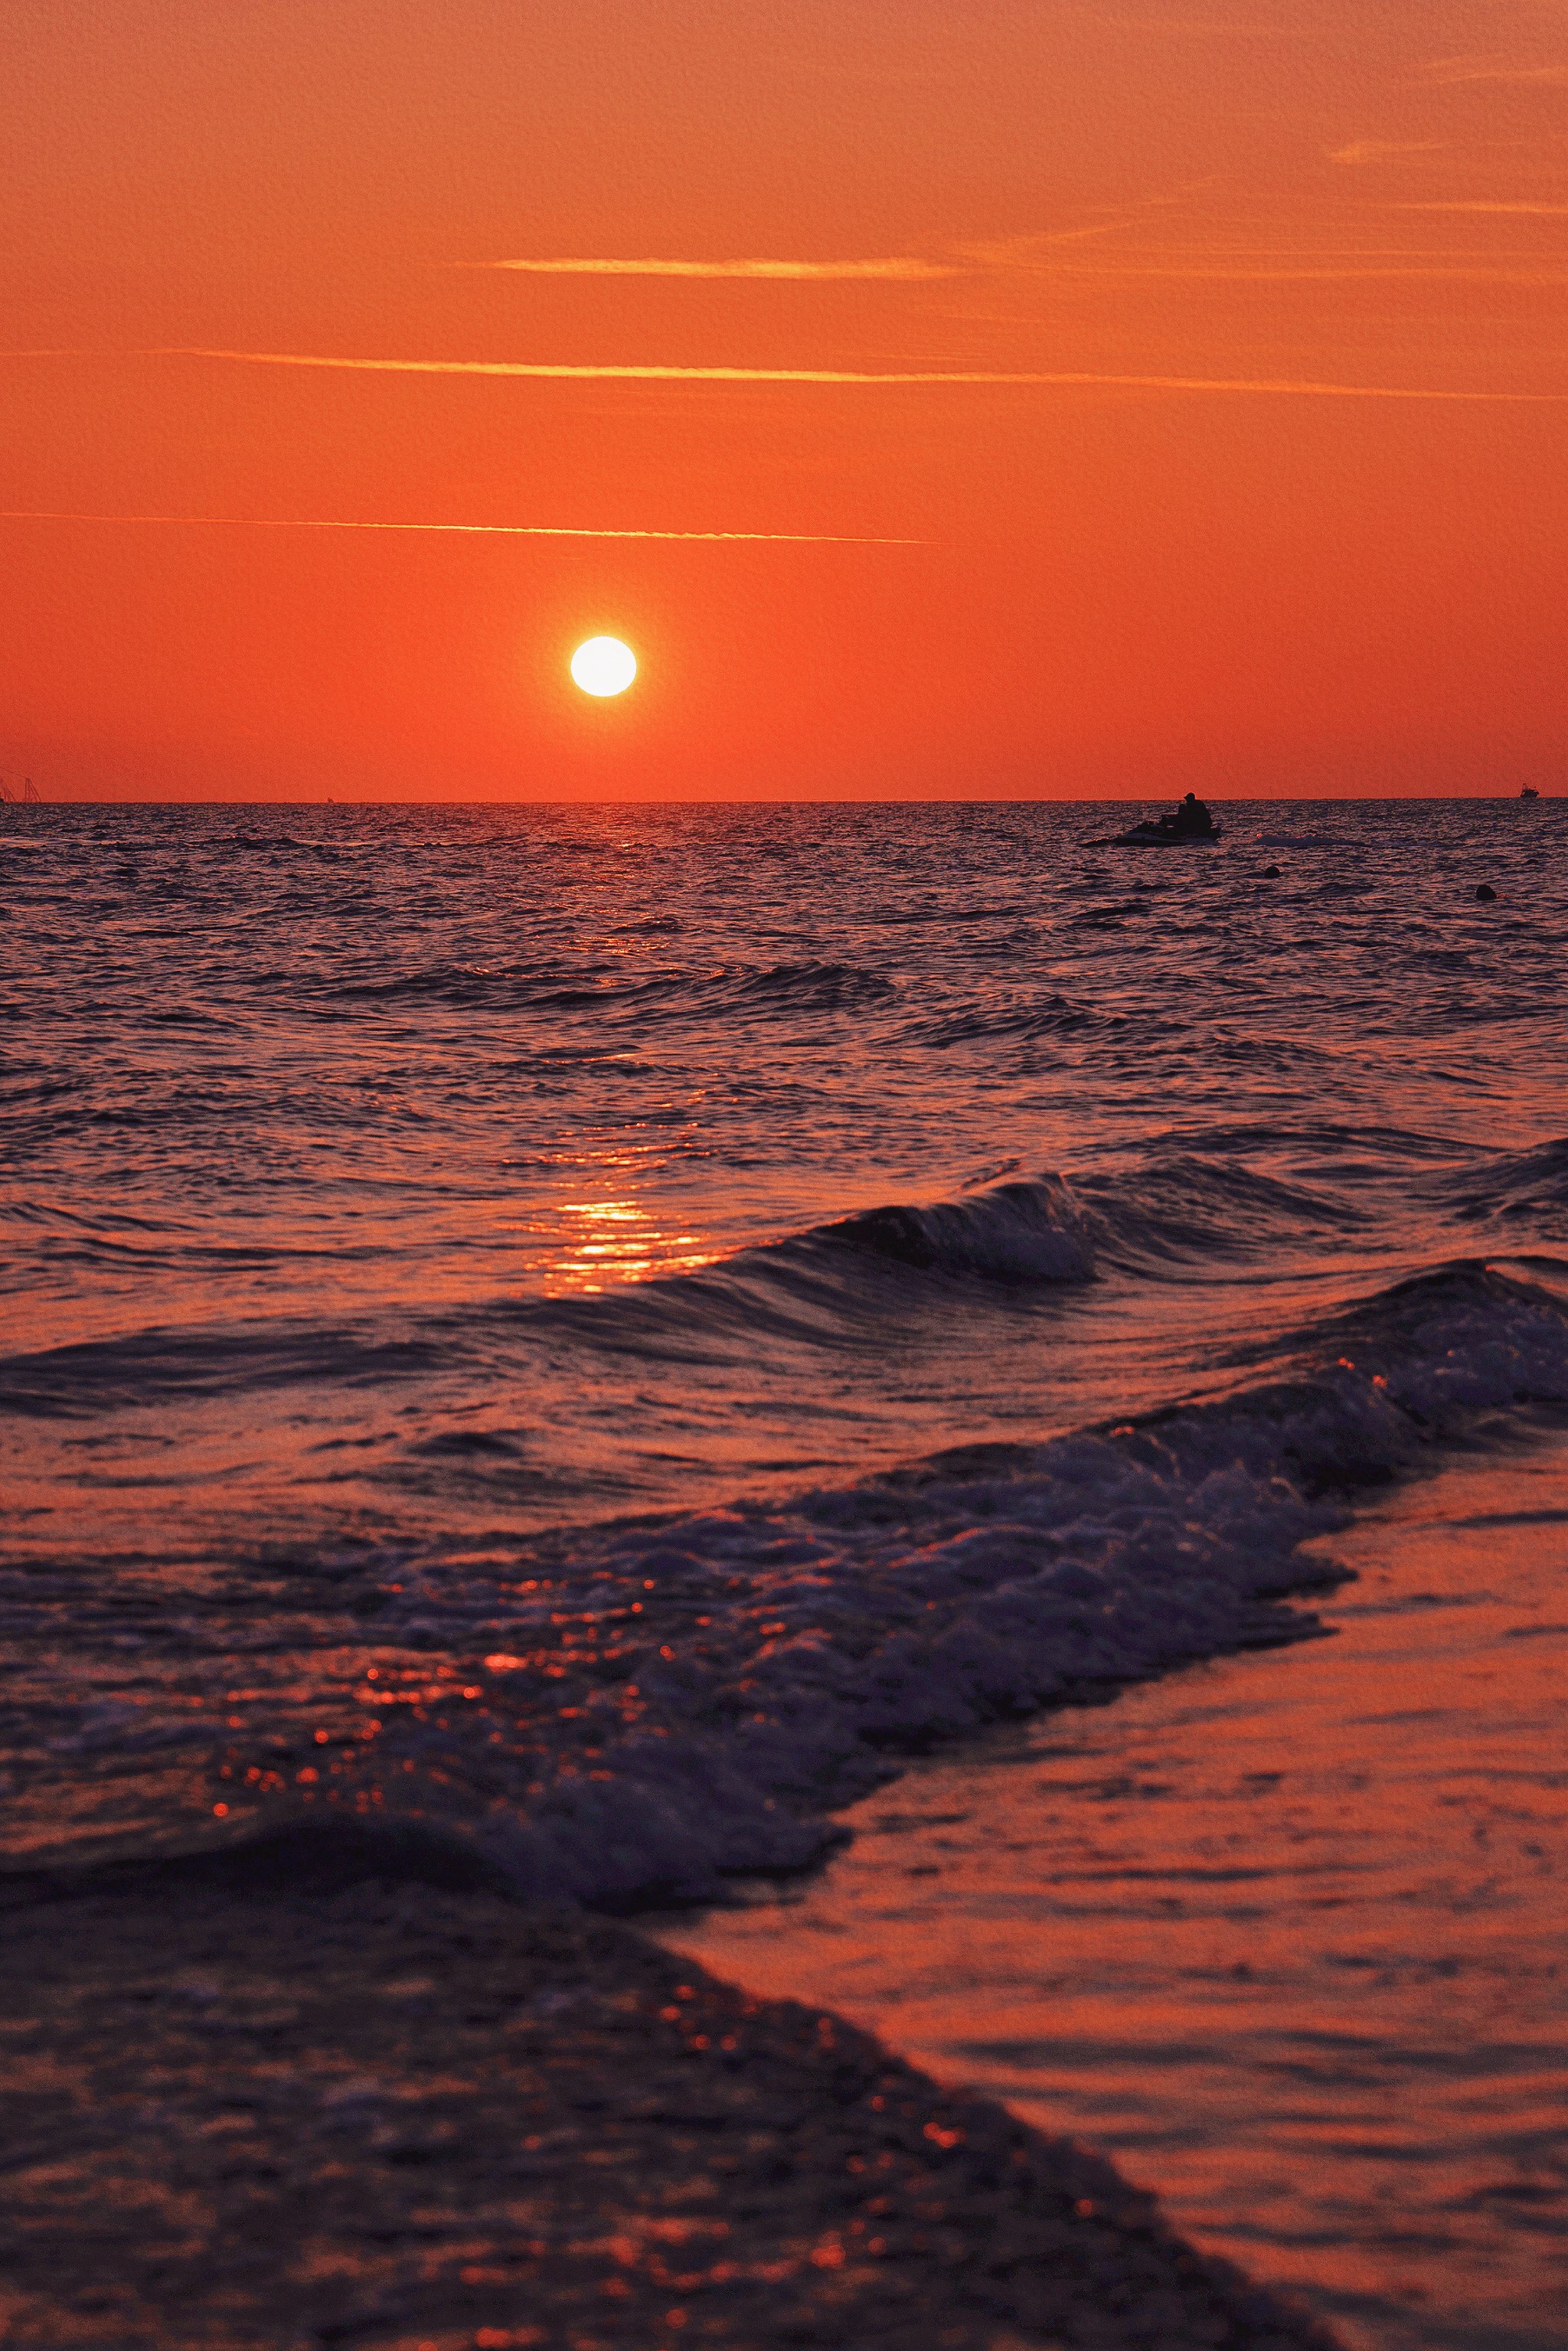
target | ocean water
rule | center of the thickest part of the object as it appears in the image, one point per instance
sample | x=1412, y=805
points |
x=600, y=1331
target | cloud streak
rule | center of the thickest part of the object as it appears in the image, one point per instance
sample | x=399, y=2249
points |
x=897, y=267
x=1378, y=150
x=1463, y=69
x=1394, y=270
x=1063, y=379
x=459, y=529
x=1045, y=379
x=1520, y=210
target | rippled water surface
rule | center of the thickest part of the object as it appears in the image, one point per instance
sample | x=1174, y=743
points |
x=370, y=1165
x=599, y=1332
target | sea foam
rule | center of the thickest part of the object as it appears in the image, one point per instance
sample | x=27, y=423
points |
x=731, y=1676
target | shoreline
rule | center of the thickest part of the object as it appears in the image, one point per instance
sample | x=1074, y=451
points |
x=414, y=2118
x=341, y=2089
x=1279, y=1936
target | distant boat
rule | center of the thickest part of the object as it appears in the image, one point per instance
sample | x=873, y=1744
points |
x=1530, y=793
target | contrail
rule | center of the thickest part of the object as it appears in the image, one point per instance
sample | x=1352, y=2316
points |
x=463, y=529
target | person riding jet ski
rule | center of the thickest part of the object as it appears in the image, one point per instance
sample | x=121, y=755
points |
x=1191, y=820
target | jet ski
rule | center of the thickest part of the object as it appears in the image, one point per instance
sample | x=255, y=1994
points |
x=1159, y=832
x=1176, y=829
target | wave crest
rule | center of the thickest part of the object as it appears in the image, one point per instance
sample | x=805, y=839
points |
x=1516, y=1187
x=1031, y=1230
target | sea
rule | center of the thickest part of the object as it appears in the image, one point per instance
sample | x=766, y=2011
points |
x=598, y=1338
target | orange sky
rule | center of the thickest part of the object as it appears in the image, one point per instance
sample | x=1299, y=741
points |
x=1186, y=568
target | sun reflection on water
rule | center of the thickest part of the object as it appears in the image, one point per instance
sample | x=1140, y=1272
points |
x=586, y=1246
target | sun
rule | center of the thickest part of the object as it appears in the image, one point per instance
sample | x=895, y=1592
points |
x=603, y=665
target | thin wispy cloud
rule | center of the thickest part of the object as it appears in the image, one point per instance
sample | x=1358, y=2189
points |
x=1378, y=150
x=1039, y=250
x=1198, y=28
x=1395, y=270
x=1462, y=69
x=898, y=267
x=1046, y=379
x=1523, y=209
x=459, y=529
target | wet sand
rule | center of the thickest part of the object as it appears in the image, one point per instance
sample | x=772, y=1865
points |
x=1283, y=1935
x=290, y=2114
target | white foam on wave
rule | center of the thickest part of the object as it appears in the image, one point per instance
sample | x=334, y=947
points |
x=782, y=1656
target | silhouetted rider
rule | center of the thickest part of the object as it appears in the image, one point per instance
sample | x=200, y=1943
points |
x=1191, y=821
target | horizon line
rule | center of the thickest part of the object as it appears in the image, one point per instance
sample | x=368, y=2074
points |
x=66, y=799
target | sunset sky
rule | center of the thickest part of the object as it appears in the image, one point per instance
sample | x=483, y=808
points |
x=1023, y=399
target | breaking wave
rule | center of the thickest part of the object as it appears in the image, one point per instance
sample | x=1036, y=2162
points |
x=640, y=1711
